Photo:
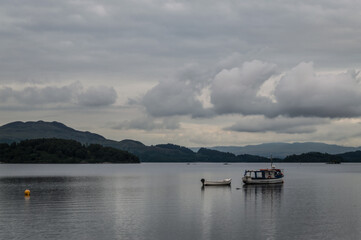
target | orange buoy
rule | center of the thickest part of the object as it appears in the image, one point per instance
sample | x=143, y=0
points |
x=27, y=192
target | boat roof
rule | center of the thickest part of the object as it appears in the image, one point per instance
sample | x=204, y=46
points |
x=266, y=169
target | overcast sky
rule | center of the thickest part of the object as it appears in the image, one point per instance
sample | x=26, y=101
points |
x=193, y=73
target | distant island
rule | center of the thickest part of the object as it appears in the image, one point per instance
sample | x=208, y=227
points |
x=54, y=150
x=15, y=133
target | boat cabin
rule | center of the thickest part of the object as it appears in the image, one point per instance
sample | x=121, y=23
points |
x=264, y=173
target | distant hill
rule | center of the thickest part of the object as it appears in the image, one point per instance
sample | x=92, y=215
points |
x=282, y=150
x=18, y=131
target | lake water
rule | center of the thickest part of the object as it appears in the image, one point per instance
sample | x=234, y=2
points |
x=166, y=201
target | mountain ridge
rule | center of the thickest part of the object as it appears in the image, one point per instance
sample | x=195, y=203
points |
x=18, y=131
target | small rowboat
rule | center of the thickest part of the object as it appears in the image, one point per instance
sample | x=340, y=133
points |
x=224, y=182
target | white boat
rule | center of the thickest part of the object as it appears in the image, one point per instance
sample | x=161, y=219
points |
x=263, y=176
x=224, y=182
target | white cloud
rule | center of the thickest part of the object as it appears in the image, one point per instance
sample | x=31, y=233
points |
x=303, y=92
x=257, y=88
x=235, y=90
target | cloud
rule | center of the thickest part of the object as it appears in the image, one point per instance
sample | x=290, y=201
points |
x=236, y=90
x=70, y=95
x=98, y=96
x=148, y=123
x=173, y=98
x=278, y=125
x=117, y=37
x=39, y=95
x=133, y=45
x=6, y=93
x=303, y=92
x=98, y=10
x=298, y=92
x=35, y=95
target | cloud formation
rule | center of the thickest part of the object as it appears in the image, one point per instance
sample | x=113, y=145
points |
x=43, y=39
x=148, y=123
x=236, y=90
x=97, y=96
x=303, y=92
x=173, y=98
x=199, y=55
x=300, y=92
x=72, y=94
x=278, y=125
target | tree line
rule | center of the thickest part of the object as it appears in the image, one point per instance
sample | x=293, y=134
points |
x=53, y=150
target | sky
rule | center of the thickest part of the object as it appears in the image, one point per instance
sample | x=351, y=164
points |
x=192, y=73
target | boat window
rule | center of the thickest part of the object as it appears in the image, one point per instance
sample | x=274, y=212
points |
x=259, y=175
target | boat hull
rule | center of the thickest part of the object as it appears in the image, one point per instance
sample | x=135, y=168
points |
x=225, y=182
x=248, y=180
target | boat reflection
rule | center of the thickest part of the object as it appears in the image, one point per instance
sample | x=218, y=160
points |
x=263, y=188
x=228, y=187
x=264, y=203
x=263, y=192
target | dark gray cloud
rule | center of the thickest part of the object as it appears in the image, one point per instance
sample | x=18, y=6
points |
x=278, y=125
x=57, y=39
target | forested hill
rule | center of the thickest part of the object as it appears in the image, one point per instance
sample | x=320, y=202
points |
x=19, y=131
x=313, y=157
x=61, y=151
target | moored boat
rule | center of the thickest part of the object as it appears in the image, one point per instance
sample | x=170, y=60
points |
x=224, y=182
x=263, y=176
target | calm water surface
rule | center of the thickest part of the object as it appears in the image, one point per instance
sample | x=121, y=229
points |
x=166, y=201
